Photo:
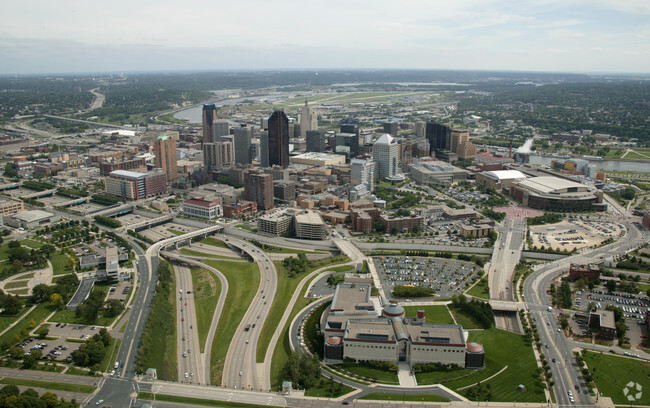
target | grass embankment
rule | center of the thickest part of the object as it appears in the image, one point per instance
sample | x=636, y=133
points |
x=214, y=242
x=175, y=232
x=374, y=374
x=61, y=264
x=206, y=295
x=286, y=288
x=479, y=290
x=432, y=314
x=246, y=227
x=198, y=401
x=21, y=330
x=501, y=349
x=191, y=252
x=464, y=319
x=612, y=374
x=243, y=282
x=111, y=355
x=49, y=385
x=380, y=396
x=342, y=268
x=158, y=343
x=6, y=320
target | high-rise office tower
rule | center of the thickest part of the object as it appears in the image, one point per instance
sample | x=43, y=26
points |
x=278, y=139
x=221, y=128
x=458, y=137
x=308, y=120
x=385, y=152
x=258, y=187
x=390, y=128
x=439, y=136
x=420, y=129
x=165, y=150
x=349, y=125
x=264, y=148
x=209, y=115
x=347, y=143
x=218, y=155
x=242, y=137
x=316, y=141
x=363, y=171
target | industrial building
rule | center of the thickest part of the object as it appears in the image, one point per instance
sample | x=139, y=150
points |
x=30, y=219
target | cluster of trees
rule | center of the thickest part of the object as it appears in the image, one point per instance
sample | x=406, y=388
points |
x=37, y=185
x=139, y=236
x=633, y=263
x=296, y=266
x=547, y=218
x=496, y=216
x=481, y=311
x=66, y=126
x=103, y=199
x=11, y=397
x=564, y=297
x=57, y=295
x=9, y=304
x=401, y=291
x=433, y=367
x=10, y=170
x=397, y=199
x=93, y=350
x=107, y=221
x=20, y=256
x=302, y=369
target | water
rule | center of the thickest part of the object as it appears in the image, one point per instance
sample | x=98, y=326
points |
x=195, y=114
x=607, y=165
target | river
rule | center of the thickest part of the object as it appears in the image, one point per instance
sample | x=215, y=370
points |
x=607, y=165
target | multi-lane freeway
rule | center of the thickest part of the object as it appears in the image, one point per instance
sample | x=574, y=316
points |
x=190, y=365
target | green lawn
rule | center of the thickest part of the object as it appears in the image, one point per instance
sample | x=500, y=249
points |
x=502, y=349
x=478, y=290
x=48, y=385
x=207, y=288
x=79, y=371
x=198, y=401
x=282, y=348
x=214, y=242
x=6, y=320
x=464, y=319
x=613, y=373
x=380, y=396
x=60, y=263
x=191, y=252
x=286, y=288
x=375, y=374
x=432, y=314
x=31, y=243
x=273, y=249
x=70, y=317
x=243, y=282
x=16, y=284
x=324, y=390
x=246, y=227
x=342, y=268
x=22, y=328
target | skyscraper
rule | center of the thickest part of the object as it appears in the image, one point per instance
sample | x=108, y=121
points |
x=458, y=137
x=316, y=141
x=258, y=187
x=218, y=155
x=363, y=171
x=439, y=136
x=385, y=152
x=308, y=120
x=347, y=143
x=242, y=137
x=264, y=148
x=221, y=128
x=209, y=115
x=165, y=150
x=278, y=139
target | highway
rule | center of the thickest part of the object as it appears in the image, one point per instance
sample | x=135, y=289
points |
x=565, y=372
x=505, y=257
x=240, y=368
x=190, y=365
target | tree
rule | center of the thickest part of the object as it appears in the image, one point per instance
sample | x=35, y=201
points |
x=56, y=301
x=43, y=332
x=50, y=399
x=9, y=390
x=32, y=358
x=611, y=285
x=113, y=307
x=40, y=293
x=10, y=171
x=16, y=353
x=11, y=305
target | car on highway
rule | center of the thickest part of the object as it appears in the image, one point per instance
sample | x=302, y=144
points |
x=186, y=375
x=240, y=373
x=99, y=402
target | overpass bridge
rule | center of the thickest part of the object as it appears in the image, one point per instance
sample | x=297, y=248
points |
x=39, y=194
x=151, y=222
x=88, y=122
x=186, y=239
x=76, y=201
x=507, y=306
x=115, y=211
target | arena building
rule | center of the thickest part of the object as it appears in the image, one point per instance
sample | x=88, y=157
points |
x=354, y=329
x=557, y=194
x=500, y=179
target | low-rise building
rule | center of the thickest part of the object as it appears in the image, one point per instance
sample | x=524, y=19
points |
x=603, y=321
x=30, y=219
x=476, y=230
x=239, y=209
x=199, y=207
x=10, y=205
x=309, y=225
x=590, y=272
x=278, y=222
x=401, y=224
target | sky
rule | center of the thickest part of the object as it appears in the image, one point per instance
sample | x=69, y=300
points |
x=74, y=36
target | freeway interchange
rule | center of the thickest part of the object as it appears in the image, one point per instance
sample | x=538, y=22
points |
x=242, y=374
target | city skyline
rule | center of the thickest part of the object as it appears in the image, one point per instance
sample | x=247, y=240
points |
x=549, y=35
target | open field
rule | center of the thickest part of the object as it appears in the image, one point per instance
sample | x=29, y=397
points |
x=206, y=295
x=612, y=375
x=243, y=281
x=479, y=290
x=432, y=314
x=501, y=349
x=464, y=319
x=61, y=264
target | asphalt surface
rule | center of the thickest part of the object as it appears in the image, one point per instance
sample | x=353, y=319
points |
x=190, y=366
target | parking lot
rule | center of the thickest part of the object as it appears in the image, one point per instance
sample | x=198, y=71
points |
x=446, y=276
x=634, y=310
x=574, y=234
x=62, y=347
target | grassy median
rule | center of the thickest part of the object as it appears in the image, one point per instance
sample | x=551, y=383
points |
x=380, y=396
x=243, y=282
x=207, y=288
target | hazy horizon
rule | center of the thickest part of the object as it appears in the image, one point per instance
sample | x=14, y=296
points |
x=568, y=36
